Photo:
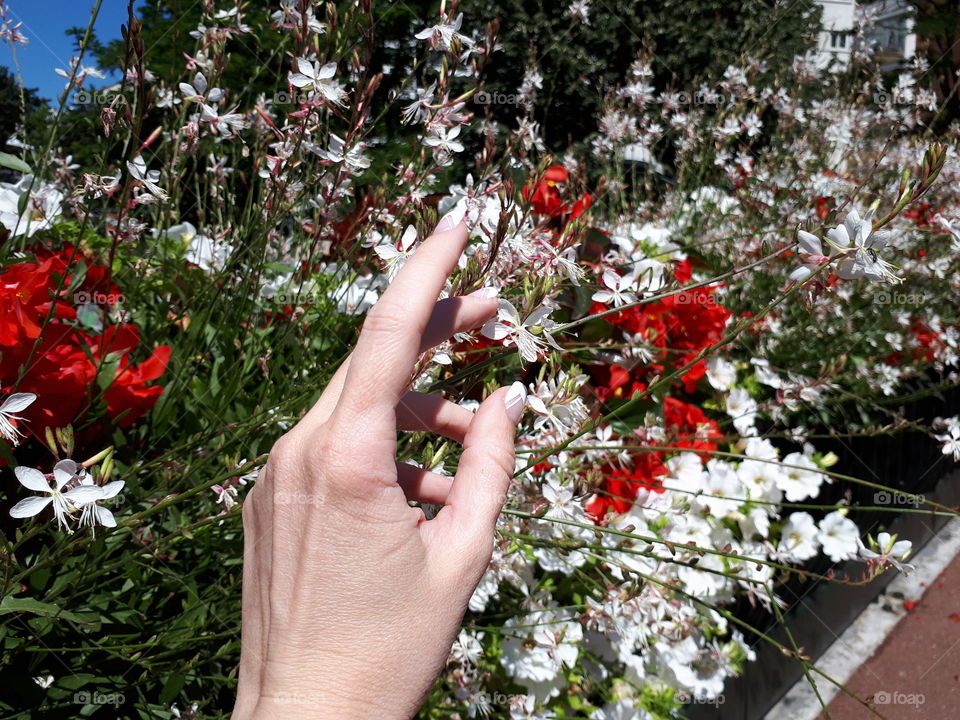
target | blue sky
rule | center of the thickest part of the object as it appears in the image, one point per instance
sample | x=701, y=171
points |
x=44, y=23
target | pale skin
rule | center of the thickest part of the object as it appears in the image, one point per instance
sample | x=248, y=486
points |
x=351, y=598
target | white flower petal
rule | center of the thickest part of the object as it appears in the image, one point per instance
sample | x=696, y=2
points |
x=84, y=494
x=32, y=479
x=29, y=507
x=17, y=402
x=105, y=517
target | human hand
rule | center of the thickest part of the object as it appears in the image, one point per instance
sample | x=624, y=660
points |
x=351, y=598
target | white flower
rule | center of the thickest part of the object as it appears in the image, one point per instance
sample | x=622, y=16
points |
x=467, y=648
x=26, y=216
x=445, y=140
x=700, y=670
x=357, y=296
x=721, y=374
x=755, y=522
x=798, y=540
x=619, y=290
x=811, y=251
x=64, y=503
x=203, y=251
x=226, y=124
x=563, y=411
x=79, y=73
x=13, y=404
x=723, y=489
x=761, y=478
x=839, y=536
x=317, y=78
x=743, y=409
x=198, y=90
x=44, y=681
x=531, y=336
x=563, y=506
x=802, y=482
x=856, y=239
x=226, y=497
x=950, y=439
x=395, y=258
x=765, y=375
x=92, y=514
x=524, y=707
x=444, y=33
x=149, y=178
x=888, y=550
x=353, y=158
x=417, y=110
x=536, y=655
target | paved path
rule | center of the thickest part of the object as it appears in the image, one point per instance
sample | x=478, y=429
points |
x=915, y=673
x=906, y=642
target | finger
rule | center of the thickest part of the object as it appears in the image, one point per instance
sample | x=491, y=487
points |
x=422, y=485
x=487, y=464
x=255, y=600
x=456, y=315
x=450, y=316
x=419, y=412
x=393, y=331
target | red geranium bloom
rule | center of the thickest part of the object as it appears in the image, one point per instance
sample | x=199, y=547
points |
x=545, y=196
x=692, y=429
x=129, y=398
x=41, y=352
x=621, y=486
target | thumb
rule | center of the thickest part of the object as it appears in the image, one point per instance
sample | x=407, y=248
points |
x=487, y=463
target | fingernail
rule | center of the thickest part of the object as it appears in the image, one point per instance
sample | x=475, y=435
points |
x=449, y=221
x=485, y=293
x=515, y=400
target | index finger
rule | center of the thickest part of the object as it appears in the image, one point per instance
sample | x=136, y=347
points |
x=389, y=342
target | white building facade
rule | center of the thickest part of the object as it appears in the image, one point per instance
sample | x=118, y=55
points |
x=889, y=32
x=835, y=42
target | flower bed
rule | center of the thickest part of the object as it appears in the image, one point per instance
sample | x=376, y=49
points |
x=716, y=308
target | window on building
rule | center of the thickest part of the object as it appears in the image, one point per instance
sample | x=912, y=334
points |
x=838, y=40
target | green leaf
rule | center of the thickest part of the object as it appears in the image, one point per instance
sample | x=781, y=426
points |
x=30, y=605
x=172, y=687
x=14, y=163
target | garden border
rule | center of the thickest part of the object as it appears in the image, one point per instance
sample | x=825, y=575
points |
x=817, y=620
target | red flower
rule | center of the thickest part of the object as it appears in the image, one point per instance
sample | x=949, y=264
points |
x=614, y=381
x=129, y=398
x=26, y=293
x=581, y=206
x=692, y=430
x=545, y=196
x=42, y=352
x=621, y=486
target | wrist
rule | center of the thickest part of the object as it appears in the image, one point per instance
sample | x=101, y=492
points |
x=316, y=705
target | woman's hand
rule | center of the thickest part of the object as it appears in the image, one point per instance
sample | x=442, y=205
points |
x=351, y=598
